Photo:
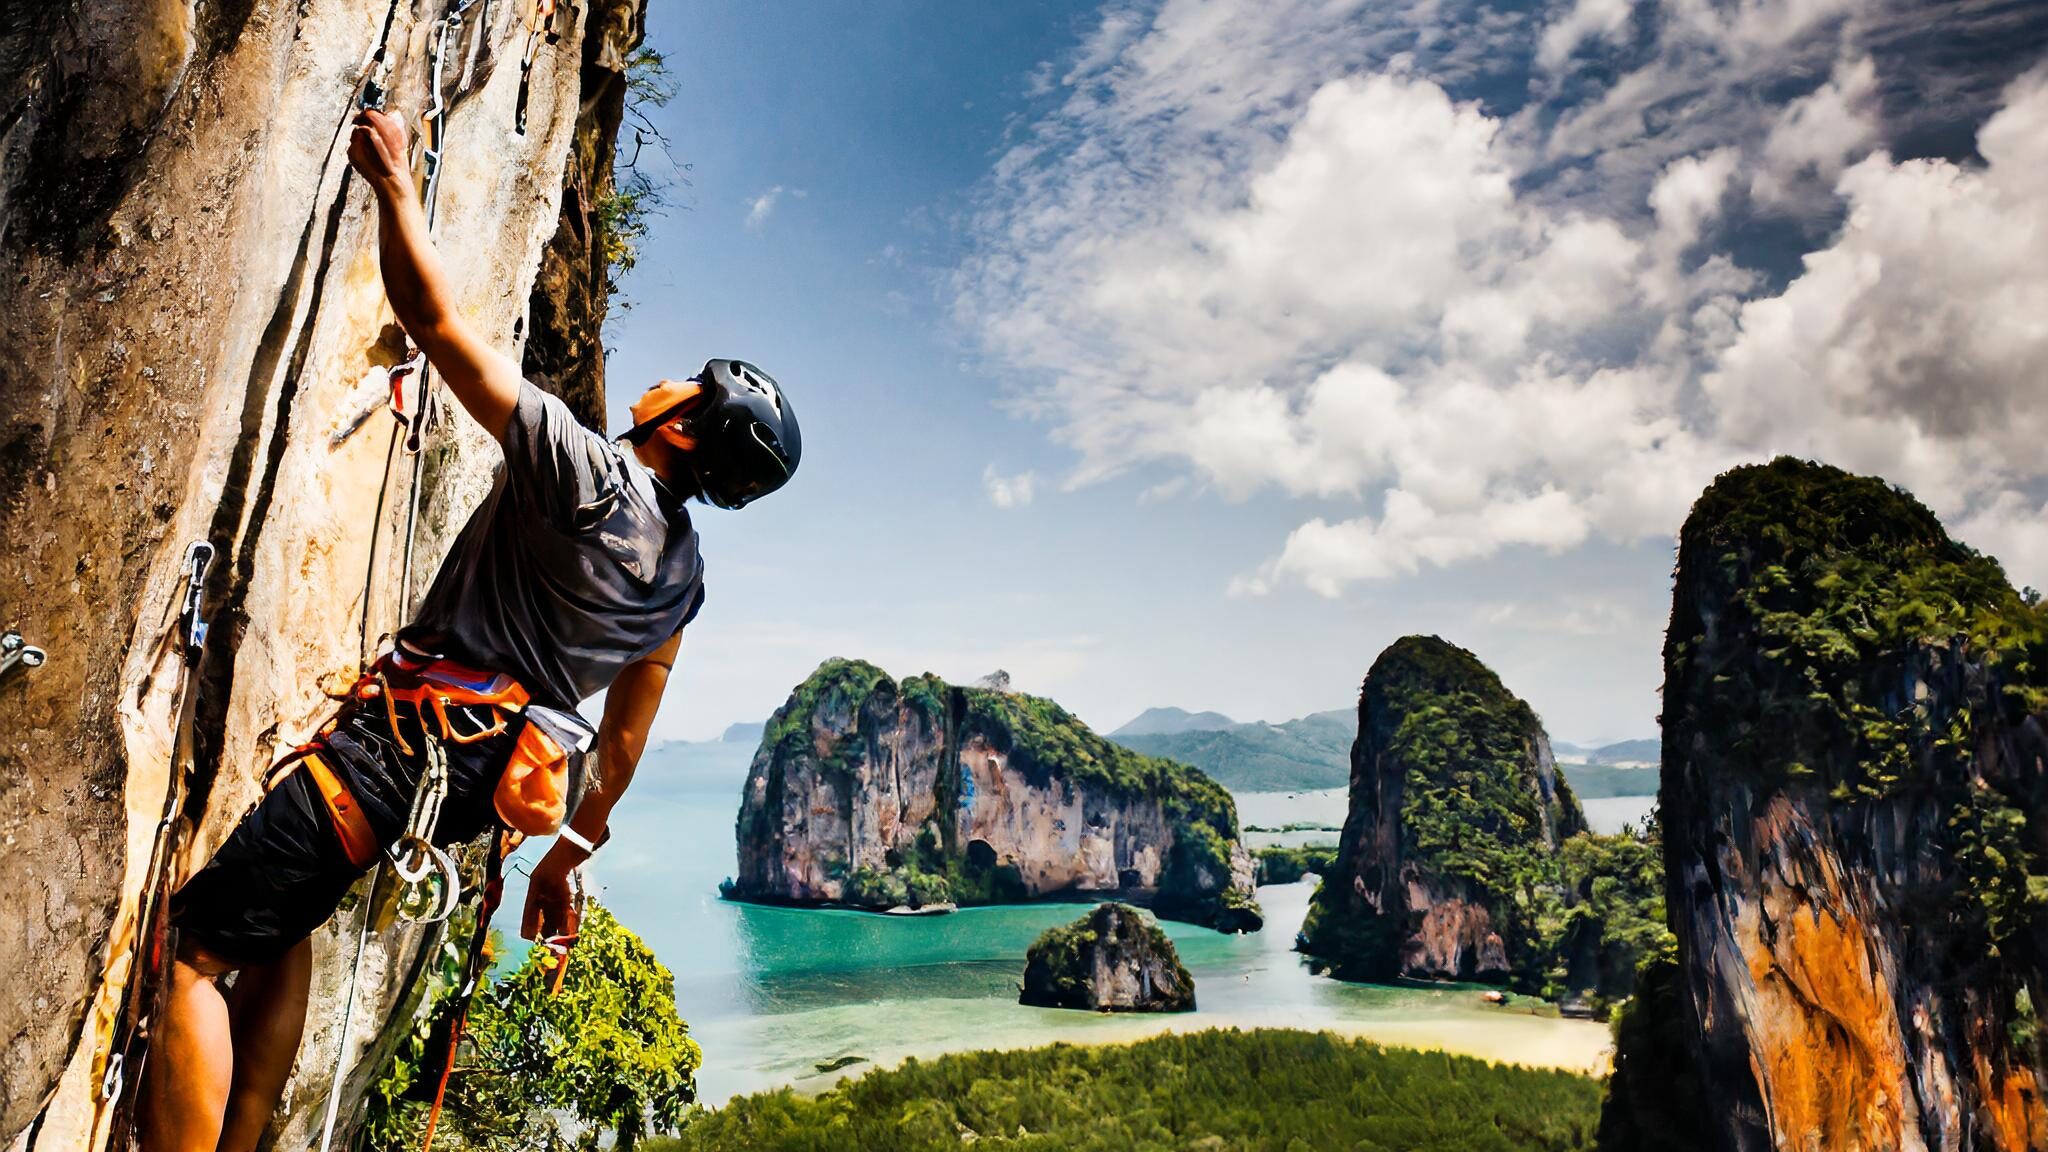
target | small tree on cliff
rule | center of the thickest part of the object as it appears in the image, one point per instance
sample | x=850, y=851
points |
x=608, y=1049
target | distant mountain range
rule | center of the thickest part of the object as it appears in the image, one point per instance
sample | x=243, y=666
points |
x=744, y=732
x=1312, y=752
x=1172, y=722
x=1624, y=752
x=1315, y=752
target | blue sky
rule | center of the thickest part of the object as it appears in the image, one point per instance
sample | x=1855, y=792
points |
x=1189, y=353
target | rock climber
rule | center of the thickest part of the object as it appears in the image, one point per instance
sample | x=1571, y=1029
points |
x=576, y=574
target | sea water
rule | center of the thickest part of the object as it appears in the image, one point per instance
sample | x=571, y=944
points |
x=780, y=996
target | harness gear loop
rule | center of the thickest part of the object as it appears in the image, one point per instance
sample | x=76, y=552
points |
x=428, y=883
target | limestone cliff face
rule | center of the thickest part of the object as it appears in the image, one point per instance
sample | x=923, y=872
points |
x=1854, y=822
x=871, y=793
x=1456, y=807
x=190, y=322
x=1111, y=960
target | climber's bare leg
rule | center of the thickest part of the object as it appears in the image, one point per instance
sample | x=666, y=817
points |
x=268, y=1010
x=191, y=1063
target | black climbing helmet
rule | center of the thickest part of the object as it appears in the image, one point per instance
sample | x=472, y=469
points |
x=747, y=439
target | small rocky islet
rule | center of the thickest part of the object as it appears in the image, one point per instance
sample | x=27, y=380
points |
x=1114, y=959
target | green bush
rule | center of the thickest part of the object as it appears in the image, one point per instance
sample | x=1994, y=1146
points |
x=607, y=1050
x=1287, y=865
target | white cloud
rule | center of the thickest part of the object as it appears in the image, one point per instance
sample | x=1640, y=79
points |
x=1916, y=344
x=1008, y=491
x=1563, y=616
x=1238, y=250
x=1587, y=20
x=759, y=208
x=1818, y=134
x=1413, y=534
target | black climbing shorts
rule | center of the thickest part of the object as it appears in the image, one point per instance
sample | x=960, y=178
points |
x=283, y=871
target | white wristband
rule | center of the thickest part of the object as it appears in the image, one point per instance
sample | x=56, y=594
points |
x=576, y=838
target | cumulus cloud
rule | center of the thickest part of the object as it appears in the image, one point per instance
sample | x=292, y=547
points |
x=1916, y=344
x=1266, y=247
x=1008, y=491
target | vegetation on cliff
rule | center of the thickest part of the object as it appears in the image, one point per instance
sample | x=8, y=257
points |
x=1047, y=741
x=1114, y=959
x=1262, y=1091
x=1846, y=587
x=1611, y=915
x=1480, y=812
x=606, y=1050
x=1853, y=748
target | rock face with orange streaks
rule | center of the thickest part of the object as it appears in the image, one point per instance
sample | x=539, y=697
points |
x=871, y=793
x=1854, y=823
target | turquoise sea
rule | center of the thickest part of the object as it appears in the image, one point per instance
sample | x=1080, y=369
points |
x=774, y=993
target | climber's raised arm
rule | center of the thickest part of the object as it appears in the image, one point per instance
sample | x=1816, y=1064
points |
x=482, y=378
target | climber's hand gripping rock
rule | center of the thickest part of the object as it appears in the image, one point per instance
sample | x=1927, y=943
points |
x=482, y=378
x=377, y=150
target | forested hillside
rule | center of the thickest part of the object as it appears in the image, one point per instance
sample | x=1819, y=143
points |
x=1263, y=1091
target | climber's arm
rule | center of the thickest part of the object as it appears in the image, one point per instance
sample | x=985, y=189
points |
x=629, y=708
x=482, y=378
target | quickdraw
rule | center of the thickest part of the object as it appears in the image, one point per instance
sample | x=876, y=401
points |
x=428, y=883
x=128, y=1045
x=18, y=653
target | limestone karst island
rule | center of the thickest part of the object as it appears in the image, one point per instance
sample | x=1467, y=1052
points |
x=1073, y=576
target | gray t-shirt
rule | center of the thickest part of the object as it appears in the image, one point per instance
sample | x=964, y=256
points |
x=578, y=563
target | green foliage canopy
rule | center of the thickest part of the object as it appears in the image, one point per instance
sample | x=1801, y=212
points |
x=607, y=1050
x=1220, y=1091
